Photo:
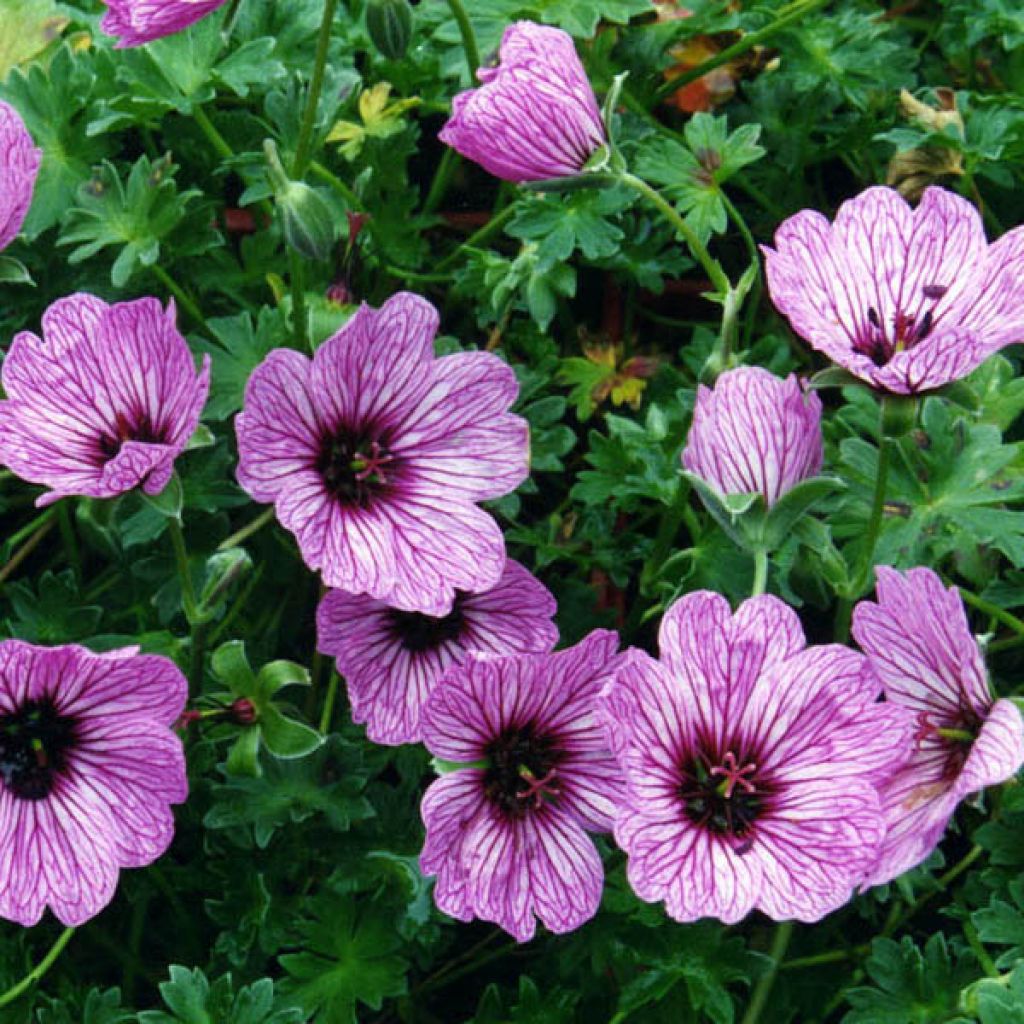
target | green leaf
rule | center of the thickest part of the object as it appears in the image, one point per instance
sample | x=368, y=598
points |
x=193, y=1000
x=783, y=516
x=231, y=665
x=169, y=501
x=277, y=674
x=580, y=221
x=99, y=1008
x=349, y=956
x=1002, y=923
x=285, y=737
x=911, y=987
x=13, y=271
x=244, y=754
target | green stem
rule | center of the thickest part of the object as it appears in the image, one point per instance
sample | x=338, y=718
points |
x=754, y=299
x=19, y=556
x=942, y=883
x=875, y=520
x=760, y=572
x=238, y=605
x=484, y=234
x=304, y=147
x=442, y=176
x=993, y=610
x=230, y=18
x=780, y=943
x=300, y=318
x=748, y=41
x=404, y=274
x=248, y=530
x=39, y=970
x=468, y=38
x=318, y=170
x=328, y=710
x=214, y=137
x=197, y=650
x=67, y=534
x=188, y=593
x=832, y=956
x=181, y=296
x=669, y=212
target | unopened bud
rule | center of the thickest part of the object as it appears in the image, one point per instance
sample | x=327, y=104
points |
x=389, y=23
x=243, y=711
x=305, y=216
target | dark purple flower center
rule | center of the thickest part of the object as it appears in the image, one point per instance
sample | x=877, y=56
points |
x=522, y=770
x=723, y=794
x=140, y=428
x=417, y=632
x=356, y=467
x=35, y=740
x=881, y=341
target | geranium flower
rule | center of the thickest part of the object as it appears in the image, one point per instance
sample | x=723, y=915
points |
x=19, y=167
x=907, y=300
x=103, y=402
x=136, y=22
x=919, y=641
x=507, y=833
x=535, y=116
x=89, y=767
x=754, y=434
x=375, y=454
x=392, y=659
x=750, y=764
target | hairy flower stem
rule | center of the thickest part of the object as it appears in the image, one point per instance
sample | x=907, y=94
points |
x=442, y=176
x=304, y=147
x=181, y=297
x=786, y=16
x=758, y=1001
x=993, y=611
x=754, y=299
x=248, y=530
x=479, y=237
x=671, y=214
x=327, y=714
x=37, y=972
x=760, y=572
x=46, y=524
x=300, y=318
x=468, y=38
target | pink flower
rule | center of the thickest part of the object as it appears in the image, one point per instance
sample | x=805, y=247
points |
x=907, y=300
x=89, y=767
x=507, y=833
x=919, y=641
x=535, y=116
x=141, y=21
x=19, y=167
x=750, y=764
x=392, y=659
x=105, y=403
x=754, y=434
x=375, y=454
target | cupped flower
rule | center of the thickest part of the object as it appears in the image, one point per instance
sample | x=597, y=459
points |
x=375, y=454
x=535, y=116
x=906, y=299
x=136, y=22
x=103, y=402
x=19, y=168
x=89, y=767
x=507, y=831
x=391, y=659
x=750, y=763
x=754, y=434
x=919, y=641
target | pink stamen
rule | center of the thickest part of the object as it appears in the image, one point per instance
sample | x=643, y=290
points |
x=734, y=775
x=373, y=463
x=537, y=788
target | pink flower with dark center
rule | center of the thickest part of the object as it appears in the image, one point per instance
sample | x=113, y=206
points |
x=919, y=641
x=754, y=434
x=136, y=22
x=507, y=832
x=392, y=659
x=375, y=454
x=535, y=116
x=750, y=763
x=907, y=300
x=103, y=402
x=89, y=767
x=19, y=167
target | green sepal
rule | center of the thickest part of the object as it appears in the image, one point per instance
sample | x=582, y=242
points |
x=284, y=737
x=277, y=674
x=169, y=501
x=783, y=516
x=243, y=757
x=741, y=516
x=13, y=271
x=202, y=437
x=899, y=414
x=834, y=377
x=231, y=666
x=443, y=767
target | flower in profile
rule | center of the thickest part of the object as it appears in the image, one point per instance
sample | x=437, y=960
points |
x=391, y=659
x=906, y=299
x=103, y=402
x=754, y=434
x=375, y=454
x=136, y=22
x=89, y=767
x=19, y=167
x=507, y=829
x=919, y=641
x=535, y=116
x=750, y=764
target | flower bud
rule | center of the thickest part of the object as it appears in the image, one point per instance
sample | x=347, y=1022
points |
x=389, y=23
x=305, y=216
x=242, y=711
